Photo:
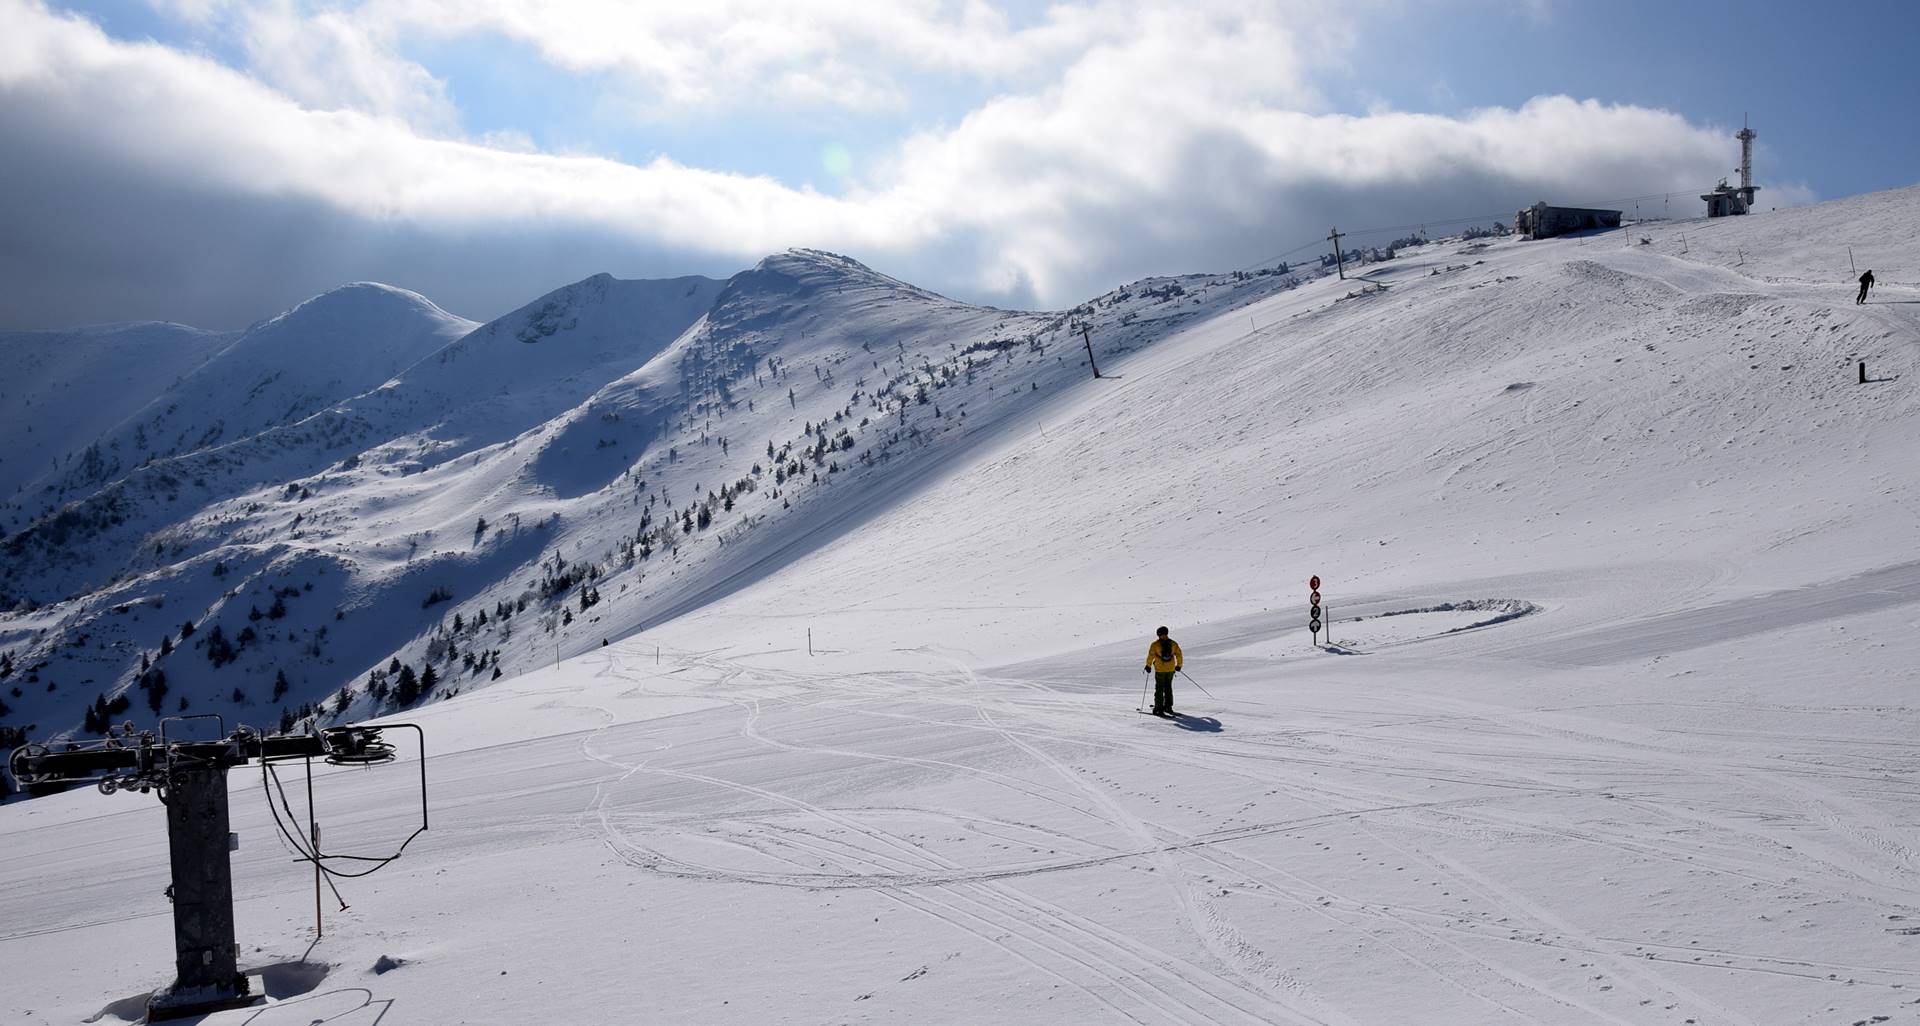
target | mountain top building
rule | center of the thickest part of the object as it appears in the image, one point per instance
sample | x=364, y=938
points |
x=1542, y=221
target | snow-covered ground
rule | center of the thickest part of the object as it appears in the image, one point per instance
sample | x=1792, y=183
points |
x=1618, y=723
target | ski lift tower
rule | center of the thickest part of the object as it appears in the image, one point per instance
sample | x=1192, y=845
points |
x=1746, y=136
x=190, y=778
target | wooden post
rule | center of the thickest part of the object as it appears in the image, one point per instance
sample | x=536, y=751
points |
x=1863, y=372
x=313, y=843
x=1337, y=257
x=1089, y=339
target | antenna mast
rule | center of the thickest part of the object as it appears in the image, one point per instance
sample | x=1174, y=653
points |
x=1746, y=137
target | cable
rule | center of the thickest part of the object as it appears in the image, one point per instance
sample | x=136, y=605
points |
x=323, y=858
x=313, y=855
x=291, y=839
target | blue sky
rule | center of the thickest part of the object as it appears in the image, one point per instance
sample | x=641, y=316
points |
x=1826, y=85
x=214, y=161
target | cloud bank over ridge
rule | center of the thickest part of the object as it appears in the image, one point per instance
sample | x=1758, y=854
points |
x=1110, y=140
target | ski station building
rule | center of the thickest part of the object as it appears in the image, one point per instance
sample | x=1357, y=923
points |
x=1541, y=221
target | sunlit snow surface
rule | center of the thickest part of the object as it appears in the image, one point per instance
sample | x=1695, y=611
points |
x=1677, y=784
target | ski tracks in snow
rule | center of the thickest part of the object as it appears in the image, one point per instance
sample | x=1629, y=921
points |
x=876, y=783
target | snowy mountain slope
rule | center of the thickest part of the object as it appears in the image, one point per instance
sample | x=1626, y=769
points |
x=69, y=389
x=1617, y=729
x=431, y=413
x=278, y=372
x=1553, y=397
x=506, y=473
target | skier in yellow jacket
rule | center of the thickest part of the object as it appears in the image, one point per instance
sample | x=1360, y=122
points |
x=1163, y=661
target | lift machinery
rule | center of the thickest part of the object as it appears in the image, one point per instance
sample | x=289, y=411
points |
x=190, y=778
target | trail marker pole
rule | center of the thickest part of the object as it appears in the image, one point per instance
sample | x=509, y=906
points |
x=809, y=641
x=1313, y=610
x=1863, y=372
x=313, y=842
x=1850, y=263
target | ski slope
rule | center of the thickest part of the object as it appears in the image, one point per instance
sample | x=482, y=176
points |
x=1617, y=725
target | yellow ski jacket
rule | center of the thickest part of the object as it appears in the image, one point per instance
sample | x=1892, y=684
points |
x=1154, y=662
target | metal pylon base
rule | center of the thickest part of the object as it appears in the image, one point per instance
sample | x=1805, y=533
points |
x=176, y=1003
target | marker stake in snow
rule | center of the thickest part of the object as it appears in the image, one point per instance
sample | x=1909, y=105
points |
x=1313, y=610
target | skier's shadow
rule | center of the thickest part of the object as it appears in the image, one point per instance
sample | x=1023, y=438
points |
x=1203, y=724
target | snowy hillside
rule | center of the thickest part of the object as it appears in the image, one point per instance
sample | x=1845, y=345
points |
x=69, y=389
x=575, y=460
x=784, y=661
x=278, y=372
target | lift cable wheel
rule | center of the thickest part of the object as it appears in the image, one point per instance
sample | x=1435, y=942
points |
x=190, y=779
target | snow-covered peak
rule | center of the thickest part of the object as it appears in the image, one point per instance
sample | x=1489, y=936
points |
x=368, y=304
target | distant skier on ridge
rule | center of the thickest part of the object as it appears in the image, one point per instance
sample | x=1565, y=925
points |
x=1866, y=282
x=1163, y=661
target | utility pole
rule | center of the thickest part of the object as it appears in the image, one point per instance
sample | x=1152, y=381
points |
x=1089, y=340
x=1337, y=257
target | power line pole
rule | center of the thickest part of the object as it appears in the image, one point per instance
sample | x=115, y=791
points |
x=1089, y=340
x=1337, y=257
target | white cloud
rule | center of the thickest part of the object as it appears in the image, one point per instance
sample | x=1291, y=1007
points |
x=326, y=58
x=1169, y=141
x=720, y=53
x=327, y=61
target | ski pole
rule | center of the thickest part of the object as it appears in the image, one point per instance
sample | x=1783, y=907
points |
x=1143, y=694
x=1196, y=683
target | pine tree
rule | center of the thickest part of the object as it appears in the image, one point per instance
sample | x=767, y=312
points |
x=428, y=680
x=280, y=685
x=406, y=690
x=219, y=649
x=157, y=690
x=186, y=630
